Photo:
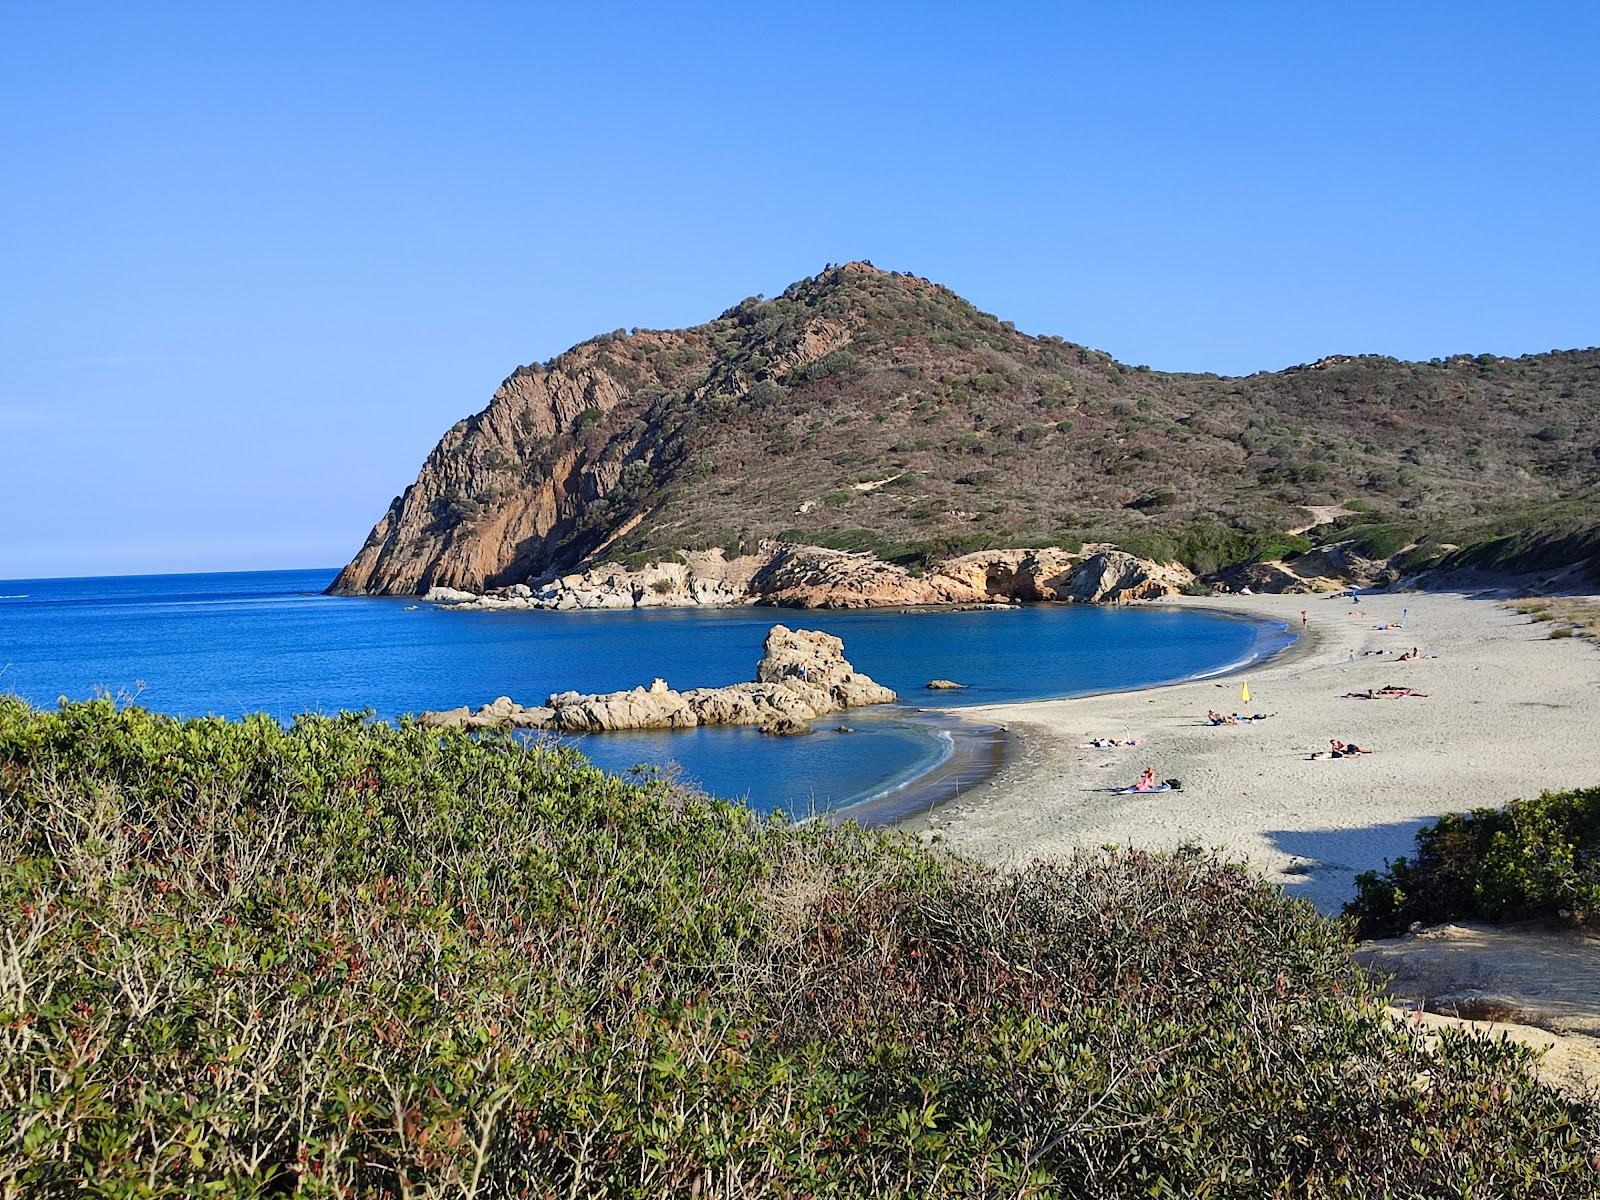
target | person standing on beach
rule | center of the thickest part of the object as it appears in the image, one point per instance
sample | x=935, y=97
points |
x=1303, y=620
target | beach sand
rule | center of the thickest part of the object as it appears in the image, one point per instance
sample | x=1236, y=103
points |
x=1509, y=712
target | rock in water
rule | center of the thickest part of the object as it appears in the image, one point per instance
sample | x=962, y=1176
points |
x=785, y=727
x=803, y=674
x=944, y=685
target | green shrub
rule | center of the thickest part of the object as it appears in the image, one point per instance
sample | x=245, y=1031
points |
x=1207, y=548
x=1541, y=544
x=1379, y=541
x=1533, y=858
x=348, y=959
x=1161, y=497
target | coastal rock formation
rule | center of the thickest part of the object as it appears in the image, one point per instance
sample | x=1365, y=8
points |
x=1264, y=578
x=803, y=674
x=502, y=712
x=813, y=577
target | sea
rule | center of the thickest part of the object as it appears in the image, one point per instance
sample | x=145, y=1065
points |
x=270, y=641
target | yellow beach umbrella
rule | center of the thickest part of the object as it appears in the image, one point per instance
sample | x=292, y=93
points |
x=1244, y=692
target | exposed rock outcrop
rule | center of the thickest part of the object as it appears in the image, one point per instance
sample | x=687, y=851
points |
x=1263, y=578
x=792, y=576
x=803, y=674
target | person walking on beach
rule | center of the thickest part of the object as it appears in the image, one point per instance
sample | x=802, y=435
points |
x=1303, y=620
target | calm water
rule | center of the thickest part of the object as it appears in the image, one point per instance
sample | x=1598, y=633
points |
x=231, y=643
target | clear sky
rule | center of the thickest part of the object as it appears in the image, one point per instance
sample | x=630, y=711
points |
x=255, y=258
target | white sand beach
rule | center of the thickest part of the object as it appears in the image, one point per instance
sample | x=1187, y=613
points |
x=1508, y=712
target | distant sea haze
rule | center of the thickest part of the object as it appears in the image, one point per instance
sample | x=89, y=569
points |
x=270, y=641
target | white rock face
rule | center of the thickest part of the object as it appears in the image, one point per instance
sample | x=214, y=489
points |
x=792, y=576
x=802, y=675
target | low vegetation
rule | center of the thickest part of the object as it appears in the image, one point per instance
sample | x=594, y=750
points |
x=1532, y=858
x=1568, y=616
x=349, y=959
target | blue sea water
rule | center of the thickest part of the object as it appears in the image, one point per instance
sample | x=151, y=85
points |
x=269, y=641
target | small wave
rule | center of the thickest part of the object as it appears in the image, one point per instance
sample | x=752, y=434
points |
x=14, y=596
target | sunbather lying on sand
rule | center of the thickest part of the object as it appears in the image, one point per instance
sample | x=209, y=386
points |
x=1215, y=718
x=1413, y=653
x=1338, y=749
x=1388, y=692
x=1113, y=743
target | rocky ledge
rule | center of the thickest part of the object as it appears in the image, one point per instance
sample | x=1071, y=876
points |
x=793, y=576
x=803, y=674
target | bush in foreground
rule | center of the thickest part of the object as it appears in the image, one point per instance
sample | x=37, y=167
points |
x=1532, y=858
x=346, y=959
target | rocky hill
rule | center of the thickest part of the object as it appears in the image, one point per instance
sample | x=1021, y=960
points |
x=881, y=417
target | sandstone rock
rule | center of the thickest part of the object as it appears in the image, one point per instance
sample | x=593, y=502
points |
x=1111, y=575
x=807, y=662
x=785, y=727
x=1262, y=577
x=802, y=675
x=944, y=685
x=636, y=709
x=450, y=718
x=532, y=718
x=448, y=595
x=794, y=576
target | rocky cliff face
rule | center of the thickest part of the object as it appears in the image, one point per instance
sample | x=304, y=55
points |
x=504, y=492
x=873, y=412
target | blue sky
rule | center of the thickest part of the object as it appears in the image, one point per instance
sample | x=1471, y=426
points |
x=255, y=258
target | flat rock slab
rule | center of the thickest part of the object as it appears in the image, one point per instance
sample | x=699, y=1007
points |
x=1527, y=974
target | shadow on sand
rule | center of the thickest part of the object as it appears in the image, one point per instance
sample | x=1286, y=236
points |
x=1328, y=860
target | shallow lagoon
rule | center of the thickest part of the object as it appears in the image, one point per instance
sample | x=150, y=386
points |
x=233, y=643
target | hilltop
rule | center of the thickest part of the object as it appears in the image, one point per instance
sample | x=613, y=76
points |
x=881, y=414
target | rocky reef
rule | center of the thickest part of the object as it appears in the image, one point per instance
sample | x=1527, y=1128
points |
x=793, y=576
x=803, y=674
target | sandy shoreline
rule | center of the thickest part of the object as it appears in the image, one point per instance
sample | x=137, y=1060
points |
x=1509, y=712
x=980, y=748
